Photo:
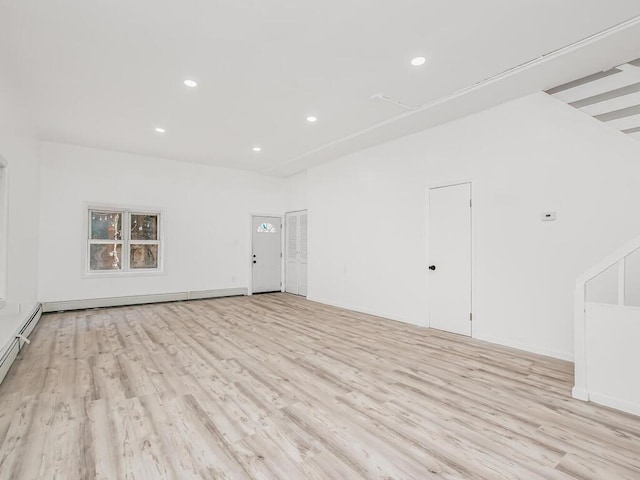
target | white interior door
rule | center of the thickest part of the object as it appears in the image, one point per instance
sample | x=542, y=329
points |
x=450, y=258
x=296, y=248
x=291, y=270
x=302, y=256
x=266, y=246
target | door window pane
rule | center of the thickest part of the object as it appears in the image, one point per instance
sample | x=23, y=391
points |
x=105, y=225
x=144, y=227
x=105, y=256
x=267, y=228
x=144, y=256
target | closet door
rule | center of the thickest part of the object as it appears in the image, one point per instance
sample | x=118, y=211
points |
x=296, y=248
x=450, y=258
x=291, y=266
x=302, y=255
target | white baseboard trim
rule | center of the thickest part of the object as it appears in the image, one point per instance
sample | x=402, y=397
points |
x=113, y=301
x=506, y=343
x=367, y=311
x=10, y=351
x=618, y=404
x=580, y=394
x=140, y=299
x=223, y=292
x=526, y=347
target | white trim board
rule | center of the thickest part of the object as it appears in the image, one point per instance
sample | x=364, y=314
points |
x=225, y=292
x=496, y=341
x=580, y=394
x=612, y=402
x=10, y=351
x=366, y=311
x=525, y=347
x=141, y=299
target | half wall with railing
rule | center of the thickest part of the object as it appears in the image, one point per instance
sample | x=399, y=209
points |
x=607, y=331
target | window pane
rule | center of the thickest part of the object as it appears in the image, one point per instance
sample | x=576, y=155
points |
x=144, y=256
x=106, y=225
x=604, y=287
x=144, y=227
x=105, y=257
x=267, y=228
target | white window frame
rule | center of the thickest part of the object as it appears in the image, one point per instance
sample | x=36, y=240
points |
x=4, y=214
x=126, y=241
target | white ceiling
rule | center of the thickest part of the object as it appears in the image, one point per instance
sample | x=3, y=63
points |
x=105, y=73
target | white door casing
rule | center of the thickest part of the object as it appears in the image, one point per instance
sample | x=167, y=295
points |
x=266, y=269
x=449, y=247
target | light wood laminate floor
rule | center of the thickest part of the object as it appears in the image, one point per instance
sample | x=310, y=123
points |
x=276, y=387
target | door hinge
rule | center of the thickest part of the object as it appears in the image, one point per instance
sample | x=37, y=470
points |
x=280, y=254
x=470, y=203
x=471, y=317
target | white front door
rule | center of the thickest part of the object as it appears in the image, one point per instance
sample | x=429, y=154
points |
x=266, y=255
x=450, y=258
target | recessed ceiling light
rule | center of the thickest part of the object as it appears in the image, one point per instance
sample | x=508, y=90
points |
x=160, y=130
x=417, y=61
x=312, y=119
x=191, y=83
x=257, y=149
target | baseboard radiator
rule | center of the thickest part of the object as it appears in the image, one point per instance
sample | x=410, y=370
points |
x=141, y=299
x=11, y=350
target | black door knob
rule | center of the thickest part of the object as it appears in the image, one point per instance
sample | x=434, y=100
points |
x=432, y=267
x=255, y=261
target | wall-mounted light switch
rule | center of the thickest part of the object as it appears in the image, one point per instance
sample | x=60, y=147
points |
x=548, y=216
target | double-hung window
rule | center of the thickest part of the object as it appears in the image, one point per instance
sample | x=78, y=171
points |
x=124, y=240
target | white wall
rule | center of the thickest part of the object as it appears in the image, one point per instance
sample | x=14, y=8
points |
x=296, y=188
x=207, y=220
x=19, y=147
x=368, y=228
x=367, y=218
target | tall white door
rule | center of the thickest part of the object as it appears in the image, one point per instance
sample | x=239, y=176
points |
x=291, y=266
x=296, y=248
x=450, y=258
x=266, y=246
x=303, y=219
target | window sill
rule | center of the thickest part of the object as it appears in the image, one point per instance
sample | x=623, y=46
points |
x=147, y=273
